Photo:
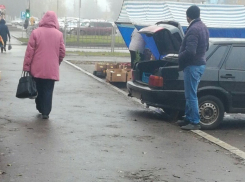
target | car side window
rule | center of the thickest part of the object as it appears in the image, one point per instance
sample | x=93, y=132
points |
x=236, y=59
x=215, y=58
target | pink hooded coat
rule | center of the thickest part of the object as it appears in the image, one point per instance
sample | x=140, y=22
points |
x=46, y=49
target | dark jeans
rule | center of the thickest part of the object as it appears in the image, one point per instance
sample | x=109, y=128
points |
x=4, y=47
x=133, y=57
x=45, y=88
x=192, y=76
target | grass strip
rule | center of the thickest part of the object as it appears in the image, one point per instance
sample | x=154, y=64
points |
x=100, y=54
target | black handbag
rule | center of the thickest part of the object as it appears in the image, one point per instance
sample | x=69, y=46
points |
x=26, y=87
x=9, y=47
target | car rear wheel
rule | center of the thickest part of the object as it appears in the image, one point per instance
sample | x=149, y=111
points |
x=211, y=111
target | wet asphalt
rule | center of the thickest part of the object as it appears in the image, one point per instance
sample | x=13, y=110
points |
x=96, y=134
x=231, y=130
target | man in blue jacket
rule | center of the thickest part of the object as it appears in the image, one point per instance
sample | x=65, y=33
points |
x=192, y=61
x=4, y=32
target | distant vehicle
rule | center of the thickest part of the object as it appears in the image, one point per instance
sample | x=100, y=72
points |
x=2, y=11
x=94, y=28
x=71, y=25
x=16, y=22
x=62, y=25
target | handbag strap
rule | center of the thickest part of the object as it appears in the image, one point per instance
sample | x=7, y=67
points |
x=25, y=74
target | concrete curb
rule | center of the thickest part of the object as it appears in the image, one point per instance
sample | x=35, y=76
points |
x=102, y=81
x=22, y=43
x=220, y=143
x=208, y=137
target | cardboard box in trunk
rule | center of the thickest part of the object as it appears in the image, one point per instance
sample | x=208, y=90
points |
x=100, y=66
x=116, y=75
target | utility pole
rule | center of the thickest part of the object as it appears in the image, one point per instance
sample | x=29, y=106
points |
x=79, y=21
x=74, y=6
x=57, y=8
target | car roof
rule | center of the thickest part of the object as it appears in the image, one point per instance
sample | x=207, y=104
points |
x=227, y=40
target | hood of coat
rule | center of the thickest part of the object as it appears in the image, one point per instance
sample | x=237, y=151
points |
x=2, y=22
x=49, y=20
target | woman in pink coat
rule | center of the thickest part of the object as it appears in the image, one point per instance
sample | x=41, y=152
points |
x=44, y=53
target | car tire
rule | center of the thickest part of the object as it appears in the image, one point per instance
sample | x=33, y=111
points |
x=211, y=111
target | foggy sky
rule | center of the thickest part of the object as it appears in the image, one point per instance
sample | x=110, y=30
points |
x=89, y=8
x=19, y=5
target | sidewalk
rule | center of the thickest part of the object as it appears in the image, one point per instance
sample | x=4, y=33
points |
x=96, y=134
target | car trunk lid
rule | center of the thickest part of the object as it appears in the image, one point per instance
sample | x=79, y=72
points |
x=166, y=35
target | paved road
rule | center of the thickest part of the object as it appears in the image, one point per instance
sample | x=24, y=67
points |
x=95, y=134
x=231, y=131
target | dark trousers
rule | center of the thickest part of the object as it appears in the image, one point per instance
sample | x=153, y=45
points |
x=45, y=88
x=4, y=47
x=133, y=57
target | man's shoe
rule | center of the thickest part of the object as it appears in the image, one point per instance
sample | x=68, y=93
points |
x=191, y=126
x=5, y=49
x=45, y=116
x=183, y=122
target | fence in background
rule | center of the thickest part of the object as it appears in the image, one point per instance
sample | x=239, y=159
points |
x=89, y=37
x=92, y=37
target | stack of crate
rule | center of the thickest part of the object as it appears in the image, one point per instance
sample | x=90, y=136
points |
x=114, y=72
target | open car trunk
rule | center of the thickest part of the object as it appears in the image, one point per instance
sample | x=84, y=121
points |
x=167, y=37
x=144, y=69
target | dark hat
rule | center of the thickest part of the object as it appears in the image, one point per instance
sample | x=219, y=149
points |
x=193, y=12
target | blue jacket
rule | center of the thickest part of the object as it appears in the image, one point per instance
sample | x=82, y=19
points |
x=194, y=45
x=4, y=31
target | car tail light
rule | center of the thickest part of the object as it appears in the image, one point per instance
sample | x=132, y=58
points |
x=156, y=81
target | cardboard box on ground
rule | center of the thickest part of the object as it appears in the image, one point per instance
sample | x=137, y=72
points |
x=116, y=75
x=112, y=65
x=129, y=74
x=114, y=72
x=100, y=66
x=105, y=66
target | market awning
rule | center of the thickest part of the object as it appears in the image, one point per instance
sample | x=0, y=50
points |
x=149, y=12
x=222, y=20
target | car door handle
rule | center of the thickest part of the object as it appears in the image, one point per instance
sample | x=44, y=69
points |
x=227, y=76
